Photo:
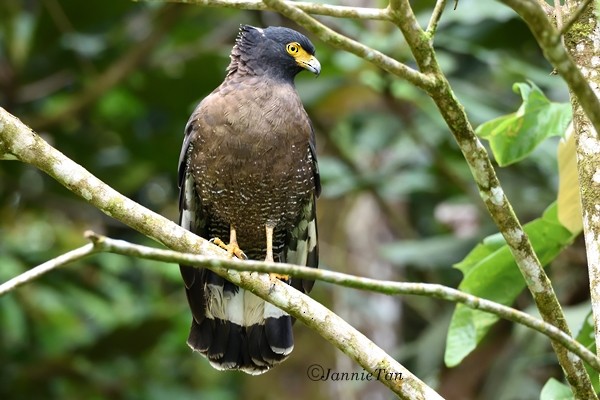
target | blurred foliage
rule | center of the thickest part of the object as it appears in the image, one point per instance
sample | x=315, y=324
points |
x=111, y=85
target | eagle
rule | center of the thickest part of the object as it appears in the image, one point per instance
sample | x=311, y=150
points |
x=248, y=174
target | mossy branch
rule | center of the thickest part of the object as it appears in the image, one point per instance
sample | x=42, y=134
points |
x=581, y=42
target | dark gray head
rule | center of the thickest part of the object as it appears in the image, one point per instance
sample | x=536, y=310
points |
x=274, y=51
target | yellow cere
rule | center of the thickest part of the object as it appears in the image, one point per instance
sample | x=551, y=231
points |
x=303, y=58
x=300, y=55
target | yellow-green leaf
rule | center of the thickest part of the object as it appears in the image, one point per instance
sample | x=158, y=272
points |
x=569, y=201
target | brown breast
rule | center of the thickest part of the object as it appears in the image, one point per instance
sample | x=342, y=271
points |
x=251, y=159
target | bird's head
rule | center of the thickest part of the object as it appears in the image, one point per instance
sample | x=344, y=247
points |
x=274, y=51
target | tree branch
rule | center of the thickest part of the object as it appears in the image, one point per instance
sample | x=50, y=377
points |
x=573, y=17
x=48, y=266
x=492, y=193
x=548, y=9
x=440, y=5
x=582, y=45
x=339, y=41
x=312, y=8
x=19, y=141
x=102, y=243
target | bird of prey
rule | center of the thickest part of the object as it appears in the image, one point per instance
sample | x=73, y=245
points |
x=248, y=174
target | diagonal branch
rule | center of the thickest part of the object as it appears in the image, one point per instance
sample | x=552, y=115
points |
x=492, y=194
x=21, y=142
x=582, y=44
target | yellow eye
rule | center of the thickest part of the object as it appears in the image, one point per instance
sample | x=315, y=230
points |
x=292, y=48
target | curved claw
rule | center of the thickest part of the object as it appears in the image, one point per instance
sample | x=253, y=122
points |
x=284, y=278
x=232, y=249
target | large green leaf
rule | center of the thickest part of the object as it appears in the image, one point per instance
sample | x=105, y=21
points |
x=514, y=136
x=490, y=271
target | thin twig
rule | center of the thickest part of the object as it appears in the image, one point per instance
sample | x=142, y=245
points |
x=312, y=8
x=548, y=9
x=558, y=14
x=394, y=5
x=337, y=40
x=573, y=17
x=48, y=266
x=103, y=243
x=440, y=5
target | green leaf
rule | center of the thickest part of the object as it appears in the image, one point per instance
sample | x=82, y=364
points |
x=514, y=136
x=490, y=271
x=555, y=390
x=568, y=199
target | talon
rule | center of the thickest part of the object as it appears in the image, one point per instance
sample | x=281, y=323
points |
x=232, y=249
x=239, y=253
x=282, y=277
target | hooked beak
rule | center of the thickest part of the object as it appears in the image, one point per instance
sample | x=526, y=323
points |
x=308, y=62
x=312, y=64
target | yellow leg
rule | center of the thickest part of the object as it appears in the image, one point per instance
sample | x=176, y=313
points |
x=232, y=248
x=269, y=232
x=269, y=257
